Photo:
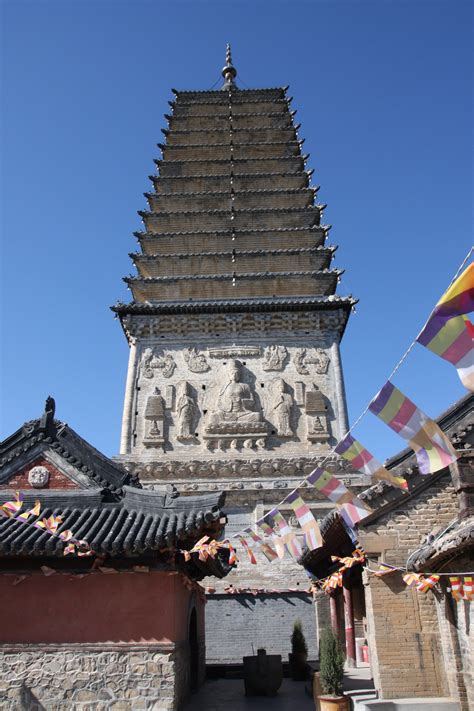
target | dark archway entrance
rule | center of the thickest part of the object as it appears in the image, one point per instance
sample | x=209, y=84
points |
x=193, y=653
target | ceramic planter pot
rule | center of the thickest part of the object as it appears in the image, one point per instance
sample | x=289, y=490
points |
x=333, y=703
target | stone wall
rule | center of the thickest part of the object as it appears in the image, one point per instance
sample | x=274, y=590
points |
x=93, y=677
x=247, y=622
x=456, y=622
x=403, y=632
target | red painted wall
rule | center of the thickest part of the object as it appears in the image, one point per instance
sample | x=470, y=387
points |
x=57, y=480
x=123, y=607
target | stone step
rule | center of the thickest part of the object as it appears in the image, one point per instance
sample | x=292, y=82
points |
x=408, y=704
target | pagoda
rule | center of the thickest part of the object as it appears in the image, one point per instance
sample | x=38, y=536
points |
x=235, y=380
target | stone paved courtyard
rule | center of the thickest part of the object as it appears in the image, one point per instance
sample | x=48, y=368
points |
x=228, y=694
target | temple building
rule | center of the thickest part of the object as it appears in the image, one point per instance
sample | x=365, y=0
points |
x=234, y=379
x=122, y=627
x=419, y=642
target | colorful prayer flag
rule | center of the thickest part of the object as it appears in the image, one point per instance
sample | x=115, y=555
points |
x=306, y=520
x=11, y=508
x=432, y=448
x=266, y=549
x=468, y=588
x=330, y=486
x=35, y=511
x=459, y=297
x=361, y=459
x=451, y=339
x=383, y=570
x=354, y=511
x=248, y=550
x=412, y=579
x=269, y=531
x=426, y=584
x=288, y=538
x=456, y=587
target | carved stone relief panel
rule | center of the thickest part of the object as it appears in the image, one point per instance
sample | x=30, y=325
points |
x=38, y=477
x=279, y=408
x=154, y=420
x=196, y=361
x=303, y=358
x=187, y=412
x=151, y=362
x=274, y=357
x=235, y=417
x=232, y=403
x=316, y=415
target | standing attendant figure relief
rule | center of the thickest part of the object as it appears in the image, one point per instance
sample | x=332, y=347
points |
x=281, y=404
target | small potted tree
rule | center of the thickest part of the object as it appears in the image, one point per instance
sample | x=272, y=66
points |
x=331, y=661
x=299, y=653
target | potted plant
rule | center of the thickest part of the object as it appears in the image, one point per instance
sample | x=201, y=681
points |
x=331, y=666
x=299, y=653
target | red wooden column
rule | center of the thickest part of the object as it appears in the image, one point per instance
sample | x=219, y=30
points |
x=333, y=611
x=349, y=625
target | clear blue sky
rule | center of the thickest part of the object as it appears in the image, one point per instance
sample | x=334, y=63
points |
x=383, y=91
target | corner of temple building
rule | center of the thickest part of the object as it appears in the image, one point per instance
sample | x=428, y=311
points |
x=234, y=379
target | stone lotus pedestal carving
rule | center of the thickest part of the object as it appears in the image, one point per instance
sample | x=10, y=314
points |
x=154, y=420
x=235, y=420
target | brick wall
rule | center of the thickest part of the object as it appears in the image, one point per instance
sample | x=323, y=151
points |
x=403, y=632
x=262, y=621
x=57, y=480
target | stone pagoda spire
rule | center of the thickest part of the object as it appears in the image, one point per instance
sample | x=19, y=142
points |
x=234, y=378
x=229, y=72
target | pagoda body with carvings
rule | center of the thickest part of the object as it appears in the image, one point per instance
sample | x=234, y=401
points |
x=234, y=378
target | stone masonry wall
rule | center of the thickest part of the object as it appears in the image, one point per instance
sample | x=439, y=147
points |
x=457, y=637
x=404, y=636
x=93, y=678
x=247, y=622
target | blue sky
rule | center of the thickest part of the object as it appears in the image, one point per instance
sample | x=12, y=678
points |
x=383, y=92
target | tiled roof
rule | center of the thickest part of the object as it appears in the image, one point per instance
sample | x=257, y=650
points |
x=139, y=525
x=48, y=434
x=298, y=303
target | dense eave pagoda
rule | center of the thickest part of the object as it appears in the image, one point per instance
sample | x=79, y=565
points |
x=232, y=219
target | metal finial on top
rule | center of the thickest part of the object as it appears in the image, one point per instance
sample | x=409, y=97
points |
x=229, y=72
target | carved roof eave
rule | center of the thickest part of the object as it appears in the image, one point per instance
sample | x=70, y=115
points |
x=225, y=130
x=315, y=209
x=302, y=157
x=226, y=193
x=325, y=273
x=157, y=178
x=234, y=89
x=170, y=117
x=235, y=101
x=250, y=305
x=290, y=144
x=323, y=250
x=153, y=235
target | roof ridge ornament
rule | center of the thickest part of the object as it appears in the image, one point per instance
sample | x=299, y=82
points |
x=229, y=72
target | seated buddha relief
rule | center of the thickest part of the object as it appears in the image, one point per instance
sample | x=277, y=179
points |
x=236, y=406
